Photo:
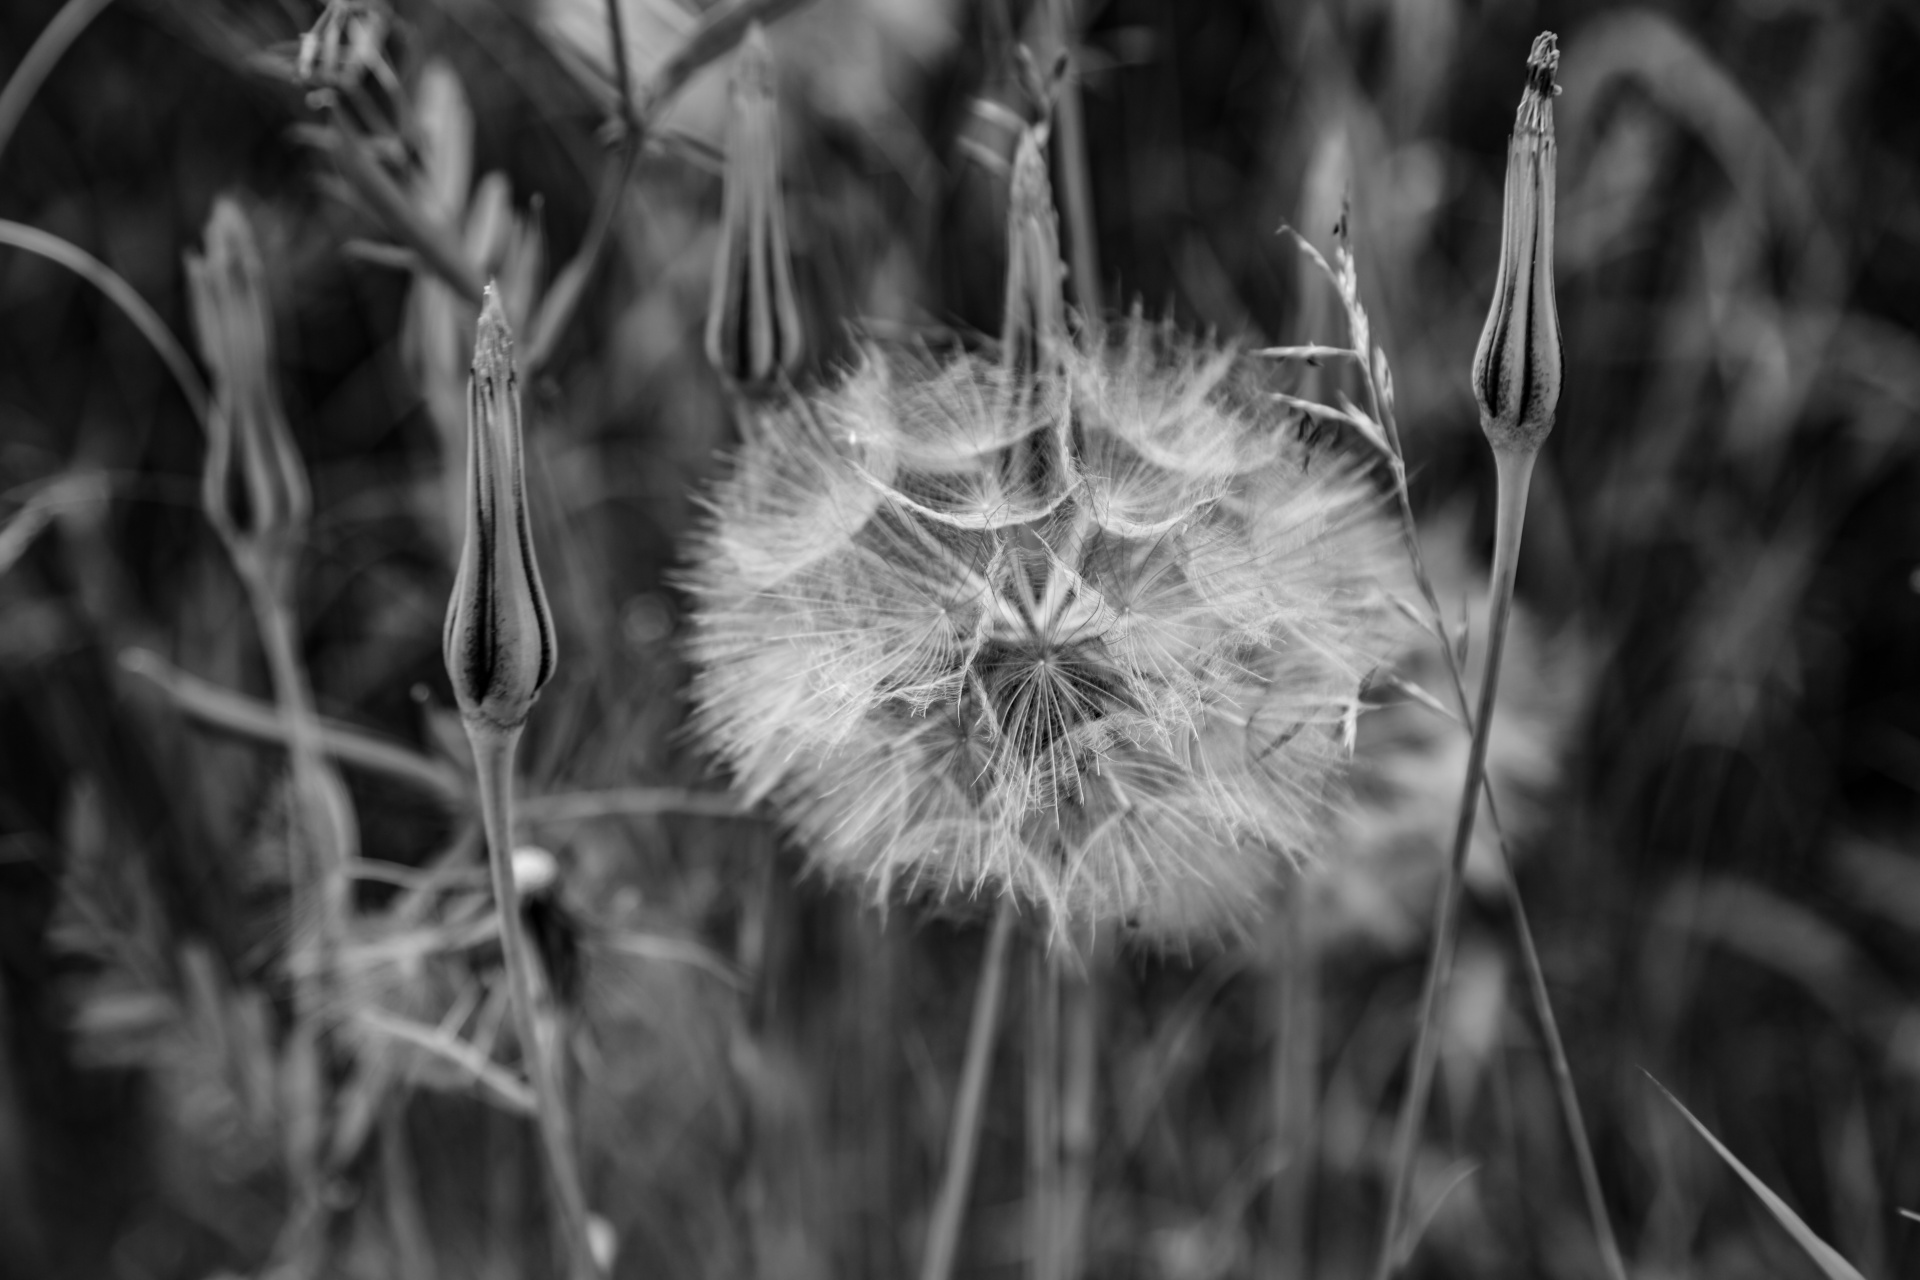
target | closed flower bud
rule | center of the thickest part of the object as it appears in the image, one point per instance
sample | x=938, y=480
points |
x=499, y=642
x=753, y=323
x=254, y=485
x=1517, y=369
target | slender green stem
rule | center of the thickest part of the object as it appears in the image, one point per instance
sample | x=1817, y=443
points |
x=1563, y=1083
x=1296, y=1056
x=318, y=858
x=1076, y=193
x=74, y=17
x=1043, y=1113
x=1515, y=475
x=1080, y=1034
x=963, y=1136
x=718, y=32
x=1569, y=1097
x=535, y=1020
x=203, y=700
x=622, y=77
x=122, y=295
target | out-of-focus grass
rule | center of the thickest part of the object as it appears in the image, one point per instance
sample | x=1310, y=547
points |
x=1717, y=809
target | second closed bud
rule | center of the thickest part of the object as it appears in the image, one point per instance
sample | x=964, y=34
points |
x=499, y=641
x=1517, y=368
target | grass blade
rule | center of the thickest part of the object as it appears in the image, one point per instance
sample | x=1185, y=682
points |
x=1824, y=1255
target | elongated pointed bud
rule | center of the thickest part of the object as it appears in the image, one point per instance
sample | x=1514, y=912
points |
x=499, y=642
x=1035, y=319
x=254, y=484
x=1517, y=369
x=753, y=323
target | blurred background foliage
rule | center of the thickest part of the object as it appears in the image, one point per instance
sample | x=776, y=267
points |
x=1708, y=750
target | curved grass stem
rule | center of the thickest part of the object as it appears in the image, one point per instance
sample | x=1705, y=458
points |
x=1568, y=1096
x=963, y=1134
x=1515, y=475
x=123, y=295
x=535, y=1019
x=74, y=17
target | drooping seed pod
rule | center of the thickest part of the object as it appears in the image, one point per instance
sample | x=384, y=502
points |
x=499, y=641
x=1517, y=367
x=344, y=44
x=1033, y=335
x=254, y=483
x=753, y=323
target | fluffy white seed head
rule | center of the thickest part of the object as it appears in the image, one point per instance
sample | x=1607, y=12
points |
x=1120, y=685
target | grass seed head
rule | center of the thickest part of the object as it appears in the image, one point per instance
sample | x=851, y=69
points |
x=1517, y=368
x=254, y=483
x=499, y=641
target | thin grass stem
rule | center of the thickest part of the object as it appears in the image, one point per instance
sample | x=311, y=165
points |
x=1077, y=189
x=1079, y=1082
x=1043, y=1113
x=1515, y=470
x=963, y=1134
x=122, y=295
x=1569, y=1097
x=718, y=32
x=317, y=888
x=536, y=1024
x=52, y=43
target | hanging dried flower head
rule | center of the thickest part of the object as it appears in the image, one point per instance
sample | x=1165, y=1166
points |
x=1085, y=623
x=753, y=323
x=254, y=484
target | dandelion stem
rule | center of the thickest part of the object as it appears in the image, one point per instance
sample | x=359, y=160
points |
x=1515, y=470
x=1076, y=194
x=534, y=1019
x=1043, y=1113
x=963, y=1136
x=1080, y=1032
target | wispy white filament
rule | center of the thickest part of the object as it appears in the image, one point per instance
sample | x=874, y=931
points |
x=1121, y=692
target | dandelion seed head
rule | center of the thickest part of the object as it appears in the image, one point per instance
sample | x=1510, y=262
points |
x=1092, y=637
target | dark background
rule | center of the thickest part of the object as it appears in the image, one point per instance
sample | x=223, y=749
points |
x=1714, y=734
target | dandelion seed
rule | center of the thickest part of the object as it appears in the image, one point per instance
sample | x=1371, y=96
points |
x=1125, y=697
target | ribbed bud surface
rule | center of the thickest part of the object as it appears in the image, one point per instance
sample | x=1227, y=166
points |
x=1517, y=368
x=753, y=322
x=499, y=642
x=254, y=483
